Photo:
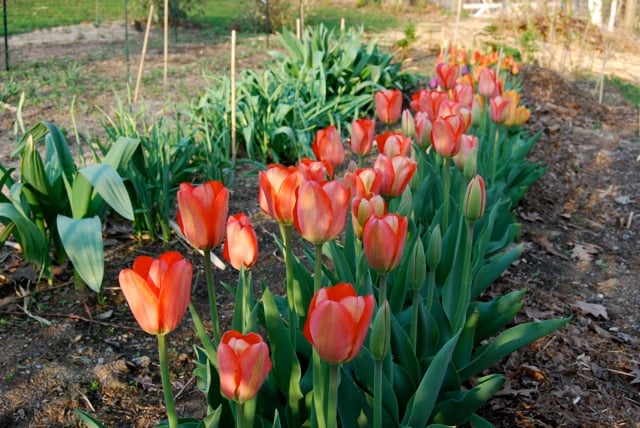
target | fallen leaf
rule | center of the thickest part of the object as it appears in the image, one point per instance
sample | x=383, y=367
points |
x=584, y=252
x=531, y=216
x=592, y=309
x=544, y=242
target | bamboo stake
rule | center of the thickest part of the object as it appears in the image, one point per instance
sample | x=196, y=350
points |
x=234, y=149
x=604, y=64
x=166, y=41
x=341, y=24
x=455, y=29
x=298, y=28
x=144, y=52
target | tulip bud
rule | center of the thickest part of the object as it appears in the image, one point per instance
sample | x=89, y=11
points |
x=405, y=207
x=471, y=165
x=475, y=199
x=380, y=342
x=417, y=272
x=408, y=124
x=434, y=249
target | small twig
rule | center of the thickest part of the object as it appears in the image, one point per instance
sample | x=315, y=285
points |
x=12, y=299
x=630, y=220
x=184, y=388
x=76, y=317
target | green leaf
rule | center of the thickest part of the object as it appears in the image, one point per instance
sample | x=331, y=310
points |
x=105, y=179
x=89, y=421
x=32, y=241
x=422, y=403
x=33, y=171
x=507, y=342
x=497, y=313
x=121, y=152
x=457, y=407
x=82, y=240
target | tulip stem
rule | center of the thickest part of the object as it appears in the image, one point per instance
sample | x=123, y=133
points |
x=431, y=289
x=170, y=404
x=240, y=422
x=332, y=404
x=213, y=307
x=465, y=290
x=494, y=164
x=246, y=300
x=285, y=231
x=447, y=191
x=414, y=319
x=377, y=395
x=317, y=279
x=382, y=290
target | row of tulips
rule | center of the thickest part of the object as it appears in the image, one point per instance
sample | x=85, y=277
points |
x=398, y=255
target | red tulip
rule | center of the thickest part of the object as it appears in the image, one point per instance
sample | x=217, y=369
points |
x=337, y=322
x=383, y=239
x=327, y=146
x=202, y=213
x=445, y=135
x=488, y=83
x=363, y=181
x=241, y=247
x=393, y=144
x=364, y=207
x=320, y=213
x=396, y=174
x=499, y=109
x=158, y=291
x=362, y=134
x=446, y=75
x=463, y=94
x=243, y=364
x=277, y=193
x=315, y=170
x=429, y=102
x=389, y=105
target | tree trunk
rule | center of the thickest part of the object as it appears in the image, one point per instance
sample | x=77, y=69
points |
x=595, y=12
x=630, y=15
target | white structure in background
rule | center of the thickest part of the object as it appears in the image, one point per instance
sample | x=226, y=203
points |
x=595, y=12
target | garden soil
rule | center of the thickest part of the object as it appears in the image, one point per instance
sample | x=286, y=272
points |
x=64, y=349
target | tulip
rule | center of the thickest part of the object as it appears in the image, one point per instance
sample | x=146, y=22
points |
x=396, y=174
x=202, y=213
x=364, y=207
x=428, y=102
x=315, y=170
x=337, y=322
x=463, y=94
x=423, y=130
x=446, y=75
x=475, y=199
x=393, y=144
x=243, y=363
x=445, y=135
x=362, y=136
x=363, y=181
x=383, y=239
x=408, y=123
x=499, y=109
x=488, y=85
x=241, y=248
x=389, y=105
x=327, y=146
x=467, y=144
x=320, y=212
x=277, y=193
x=158, y=291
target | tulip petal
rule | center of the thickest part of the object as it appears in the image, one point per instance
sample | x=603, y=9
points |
x=175, y=295
x=313, y=212
x=325, y=321
x=142, y=299
x=229, y=369
x=194, y=220
x=254, y=367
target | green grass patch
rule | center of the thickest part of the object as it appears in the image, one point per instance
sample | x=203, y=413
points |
x=629, y=91
x=374, y=19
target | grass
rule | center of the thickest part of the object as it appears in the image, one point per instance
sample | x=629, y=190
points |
x=628, y=90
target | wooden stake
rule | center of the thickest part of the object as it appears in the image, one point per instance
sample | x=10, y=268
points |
x=455, y=29
x=166, y=41
x=234, y=149
x=144, y=52
x=604, y=64
x=341, y=24
x=298, y=28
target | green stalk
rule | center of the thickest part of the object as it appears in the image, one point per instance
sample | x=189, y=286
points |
x=285, y=231
x=382, y=290
x=172, y=417
x=465, y=290
x=213, y=308
x=319, y=392
x=414, y=319
x=246, y=296
x=377, y=395
x=494, y=164
x=447, y=191
x=431, y=288
x=317, y=279
x=240, y=423
x=332, y=404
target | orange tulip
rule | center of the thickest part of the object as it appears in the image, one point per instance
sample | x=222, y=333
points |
x=362, y=134
x=383, y=239
x=429, y=102
x=315, y=170
x=364, y=207
x=445, y=135
x=202, y=213
x=327, y=146
x=241, y=248
x=277, y=193
x=488, y=83
x=363, y=181
x=393, y=144
x=158, y=291
x=243, y=364
x=396, y=174
x=337, y=322
x=389, y=105
x=320, y=212
x=447, y=75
